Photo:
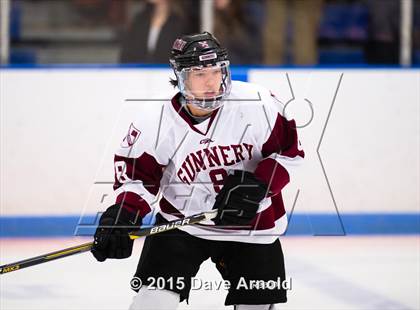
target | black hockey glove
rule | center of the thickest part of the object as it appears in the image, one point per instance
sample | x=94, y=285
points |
x=239, y=199
x=111, y=236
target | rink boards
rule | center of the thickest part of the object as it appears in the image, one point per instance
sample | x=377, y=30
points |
x=359, y=128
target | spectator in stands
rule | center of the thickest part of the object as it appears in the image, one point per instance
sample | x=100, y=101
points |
x=383, y=32
x=238, y=26
x=305, y=17
x=153, y=30
x=101, y=12
x=416, y=32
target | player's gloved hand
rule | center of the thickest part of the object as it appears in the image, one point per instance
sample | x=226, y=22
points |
x=239, y=199
x=111, y=236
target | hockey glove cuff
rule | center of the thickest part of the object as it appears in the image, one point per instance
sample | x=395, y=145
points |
x=111, y=238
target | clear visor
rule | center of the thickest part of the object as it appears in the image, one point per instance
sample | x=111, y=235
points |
x=205, y=87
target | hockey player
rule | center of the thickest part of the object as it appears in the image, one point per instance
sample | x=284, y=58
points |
x=218, y=144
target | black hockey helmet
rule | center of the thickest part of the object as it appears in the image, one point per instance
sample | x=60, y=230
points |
x=195, y=51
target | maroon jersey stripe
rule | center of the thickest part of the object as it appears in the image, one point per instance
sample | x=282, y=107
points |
x=273, y=174
x=283, y=141
x=168, y=208
x=133, y=203
x=265, y=219
x=144, y=168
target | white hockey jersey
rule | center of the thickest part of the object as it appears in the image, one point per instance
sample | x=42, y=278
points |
x=165, y=156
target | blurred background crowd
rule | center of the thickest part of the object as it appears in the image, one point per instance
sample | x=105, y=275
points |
x=256, y=32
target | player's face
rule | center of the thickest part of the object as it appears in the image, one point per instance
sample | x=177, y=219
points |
x=205, y=83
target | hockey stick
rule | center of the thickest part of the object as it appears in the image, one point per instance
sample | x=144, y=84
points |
x=190, y=220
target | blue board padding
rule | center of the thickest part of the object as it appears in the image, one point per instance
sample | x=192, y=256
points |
x=354, y=224
x=299, y=224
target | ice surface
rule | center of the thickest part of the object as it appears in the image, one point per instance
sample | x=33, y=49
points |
x=327, y=273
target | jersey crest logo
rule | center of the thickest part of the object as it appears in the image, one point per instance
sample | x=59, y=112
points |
x=179, y=44
x=131, y=137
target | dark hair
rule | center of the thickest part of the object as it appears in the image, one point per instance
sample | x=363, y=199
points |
x=173, y=82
